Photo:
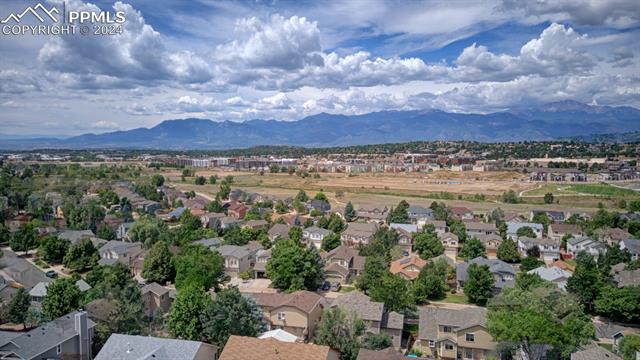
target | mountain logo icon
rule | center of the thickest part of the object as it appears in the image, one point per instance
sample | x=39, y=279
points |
x=35, y=11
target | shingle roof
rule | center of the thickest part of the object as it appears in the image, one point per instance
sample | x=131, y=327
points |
x=360, y=229
x=281, y=230
x=627, y=278
x=410, y=228
x=302, y=300
x=594, y=353
x=392, y=320
x=360, y=304
x=248, y=348
x=384, y=354
x=400, y=266
x=513, y=227
x=342, y=252
x=495, y=266
x=155, y=288
x=118, y=247
x=235, y=251
x=431, y=317
x=134, y=347
x=566, y=228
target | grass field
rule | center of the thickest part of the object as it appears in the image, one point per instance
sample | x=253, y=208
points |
x=603, y=189
x=455, y=299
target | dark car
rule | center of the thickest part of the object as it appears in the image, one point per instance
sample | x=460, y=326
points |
x=51, y=274
x=325, y=286
x=336, y=287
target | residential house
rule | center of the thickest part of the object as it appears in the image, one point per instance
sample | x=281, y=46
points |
x=513, y=227
x=553, y=215
x=67, y=337
x=633, y=246
x=122, y=233
x=627, y=278
x=476, y=228
x=211, y=243
x=135, y=347
x=549, y=248
x=320, y=206
x=342, y=264
x=558, y=231
x=156, y=299
x=585, y=243
x=279, y=231
x=504, y=275
x=260, y=265
x=612, y=333
x=373, y=314
x=552, y=274
x=237, y=210
x=255, y=224
x=491, y=243
x=417, y=212
x=119, y=252
x=15, y=273
x=39, y=291
x=407, y=267
x=314, y=235
x=358, y=233
x=238, y=259
x=594, y=352
x=454, y=333
x=228, y=222
x=249, y=348
x=211, y=220
x=75, y=236
x=451, y=245
x=612, y=236
x=372, y=214
x=440, y=226
x=405, y=234
x=280, y=335
x=384, y=354
x=462, y=213
x=297, y=313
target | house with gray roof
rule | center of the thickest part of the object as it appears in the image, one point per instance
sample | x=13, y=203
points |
x=417, y=212
x=211, y=243
x=122, y=233
x=633, y=246
x=238, y=259
x=260, y=266
x=119, y=252
x=594, y=352
x=314, y=235
x=135, y=347
x=585, y=243
x=454, y=333
x=358, y=233
x=513, y=227
x=504, y=275
x=74, y=236
x=477, y=228
x=552, y=274
x=156, y=299
x=17, y=272
x=549, y=248
x=611, y=333
x=278, y=231
x=39, y=291
x=67, y=337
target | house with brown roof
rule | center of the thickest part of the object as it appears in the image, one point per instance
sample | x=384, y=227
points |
x=373, y=314
x=255, y=224
x=249, y=348
x=358, y=233
x=476, y=228
x=237, y=210
x=384, y=354
x=407, y=267
x=372, y=214
x=342, y=264
x=558, y=230
x=454, y=333
x=278, y=231
x=491, y=243
x=297, y=313
x=612, y=236
x=439, y=225
x=462, y=213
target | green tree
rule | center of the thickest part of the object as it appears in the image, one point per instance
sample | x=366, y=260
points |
x=301, y=196
x=430, y=283
x=184, y=320
x=472, y=249
x=394, y=291
x=428, y=245
x=510, y=197
x=321, y=196
x=231, y=314
x=375, y=268
x=349, y=212
x=545, y=316
x=293, y=267
x=526, y=281
x=479, y=286
x=19, y=307
x=336, y=224
x=53, y=249
x=530, y=263
x=199, y=266
x=148, y=230
x=157, y=265
x=526, y=231
x=295, y=233
x=340, y=331
x=630, y=346
x=63, y=296
x=224, y=191
x=508, y=251
x=399, y=214
x=330, y=242
x=585, y=281
x=213, y=179
x=81, y=256
x=200, y=180
x=376, y=341
x=25, y=239
x=157, y=180
x=548, y=198
x=106, y=232
x=619, y=304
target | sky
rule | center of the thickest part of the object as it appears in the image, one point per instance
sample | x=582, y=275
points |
x=284, y=60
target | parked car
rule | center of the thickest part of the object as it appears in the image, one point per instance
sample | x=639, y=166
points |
x=336, y=287
x=325, y=286
x=52, y=274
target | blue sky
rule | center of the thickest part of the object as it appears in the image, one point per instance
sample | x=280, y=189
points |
x=242, y=60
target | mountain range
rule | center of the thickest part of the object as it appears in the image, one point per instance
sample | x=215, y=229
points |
x=559, y=120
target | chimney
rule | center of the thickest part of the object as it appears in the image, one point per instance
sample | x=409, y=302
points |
x=82, y=329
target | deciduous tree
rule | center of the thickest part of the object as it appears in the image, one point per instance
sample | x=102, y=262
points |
x=293, y=267
x=479, y=286
x=63, y=296
x=157, y=265
x=340, y=331
x=185, y=316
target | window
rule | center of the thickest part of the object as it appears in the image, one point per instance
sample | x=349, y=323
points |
x=470, y=337
x=468, y=354
x=432, y=343
x=448, y=346
x=281, y=316
x=59, y=348
x=446, y=329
